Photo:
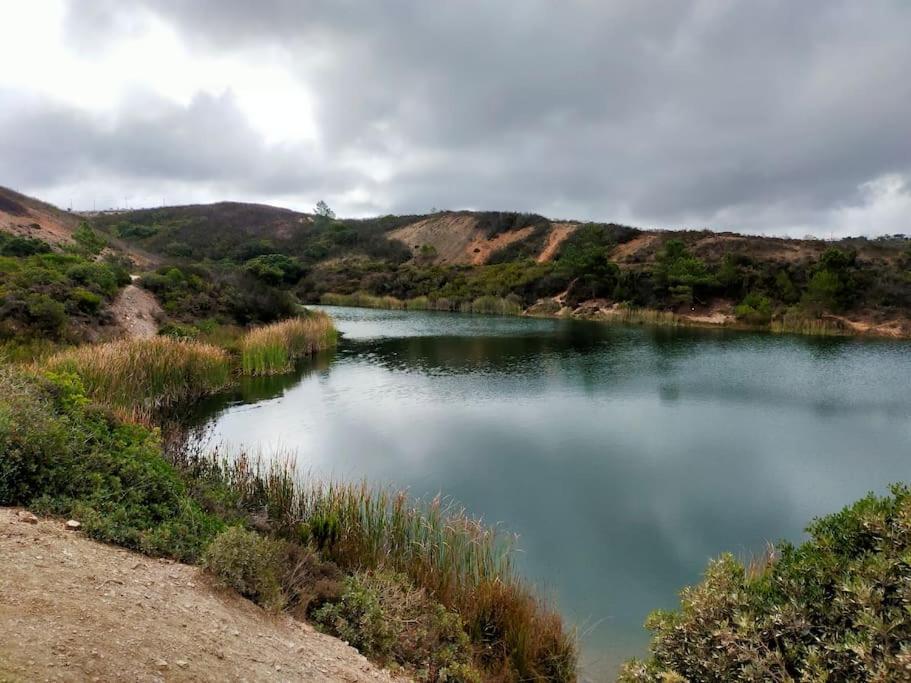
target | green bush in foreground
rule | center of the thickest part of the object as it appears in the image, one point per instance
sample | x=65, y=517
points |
x=383, y=615
x=836, y=608
x=248, y=563
x=60, y=455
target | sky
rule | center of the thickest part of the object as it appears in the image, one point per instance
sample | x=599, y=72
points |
x=774, y=117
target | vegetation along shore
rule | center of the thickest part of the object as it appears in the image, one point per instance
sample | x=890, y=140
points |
x=416, y=585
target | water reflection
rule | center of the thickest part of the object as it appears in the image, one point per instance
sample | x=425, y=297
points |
x=624, y=457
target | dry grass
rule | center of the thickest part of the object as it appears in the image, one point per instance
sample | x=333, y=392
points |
x=273, y=349
x=461, y=562
x=136, y=377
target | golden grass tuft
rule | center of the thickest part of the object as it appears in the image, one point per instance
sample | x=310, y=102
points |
x=137, y=376
x=273, y=349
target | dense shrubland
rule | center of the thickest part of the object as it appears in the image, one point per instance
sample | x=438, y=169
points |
x=56, y=296
x=835, y=608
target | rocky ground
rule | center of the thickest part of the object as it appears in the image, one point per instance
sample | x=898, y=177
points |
x=72, y=609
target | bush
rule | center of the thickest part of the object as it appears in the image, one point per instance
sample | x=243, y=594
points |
x=755, y=309
x=59, y=455
x=249, y=563
x=384, y=616
x=833, y=609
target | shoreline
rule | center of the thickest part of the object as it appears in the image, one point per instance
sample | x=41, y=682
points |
x=828, y=325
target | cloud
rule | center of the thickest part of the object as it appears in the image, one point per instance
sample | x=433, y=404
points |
x=734, y=115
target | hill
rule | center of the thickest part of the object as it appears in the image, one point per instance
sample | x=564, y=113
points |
x=25, y=216
x=506, y=262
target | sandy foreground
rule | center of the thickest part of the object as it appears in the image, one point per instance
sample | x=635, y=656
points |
x=72, y=609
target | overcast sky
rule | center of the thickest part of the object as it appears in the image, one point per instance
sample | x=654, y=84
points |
x=774, y=116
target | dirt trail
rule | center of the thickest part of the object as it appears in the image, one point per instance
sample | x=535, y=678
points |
x=72, y=609
x=136, y=311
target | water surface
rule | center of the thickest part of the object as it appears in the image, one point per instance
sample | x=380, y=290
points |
x=624, y=457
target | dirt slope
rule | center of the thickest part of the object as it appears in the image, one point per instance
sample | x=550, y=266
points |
x=556, y=237
x=72, y=609
x=452, y=235
x=457, y=239
x=29, y=217
x=136, y=312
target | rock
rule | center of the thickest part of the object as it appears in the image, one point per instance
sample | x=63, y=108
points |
x=182, y=664
x=27, y=517
x=161, y=665
x=73, y=525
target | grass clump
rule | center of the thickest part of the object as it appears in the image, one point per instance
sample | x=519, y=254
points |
x=493, y=305
x=796, y=321
x=273, y=349
x=363, y=300
x=138, y=376
x=834, y=608
x=646, y=316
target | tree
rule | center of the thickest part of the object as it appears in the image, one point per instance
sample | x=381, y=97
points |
x=323, y=211
x=682, y=275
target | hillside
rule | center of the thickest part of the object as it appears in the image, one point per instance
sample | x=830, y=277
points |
x=64, y=601
x=29, y=217
x=201, y=259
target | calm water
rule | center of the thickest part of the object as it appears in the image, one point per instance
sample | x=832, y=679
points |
x=624, y=457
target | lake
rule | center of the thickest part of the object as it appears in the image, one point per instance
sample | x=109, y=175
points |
x=624, y=457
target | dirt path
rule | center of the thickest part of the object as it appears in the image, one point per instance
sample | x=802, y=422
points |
x=136, y=312
x=72, y=609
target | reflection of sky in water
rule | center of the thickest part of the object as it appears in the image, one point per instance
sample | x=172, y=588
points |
x=625, y=458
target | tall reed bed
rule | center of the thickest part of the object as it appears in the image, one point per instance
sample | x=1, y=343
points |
x=492, y=305
x=135, y=377
x=461, y=562
x=800, y=324
x=648, y=316
x=273, y=349
x=363, y=300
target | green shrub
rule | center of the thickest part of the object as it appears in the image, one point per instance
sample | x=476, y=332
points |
x=85, y=301
x=385, y=616
x=88, y=240
x=249, y=563
x=755, y=309
x=835, y=608
x=60, y=455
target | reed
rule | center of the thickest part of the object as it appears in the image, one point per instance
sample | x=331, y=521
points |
x=462, y=563
x=363, y=300
x=648, y=316
x=273, y=349
x=136, y=377
x=492, y=305
x=799, y=324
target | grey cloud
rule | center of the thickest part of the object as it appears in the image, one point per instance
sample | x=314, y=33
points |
x=149, y=142
x=662, y=112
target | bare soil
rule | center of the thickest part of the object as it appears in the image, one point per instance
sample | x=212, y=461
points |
x=557, y=235
x=136, y=312
x=27, y=217
x=72, y=609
